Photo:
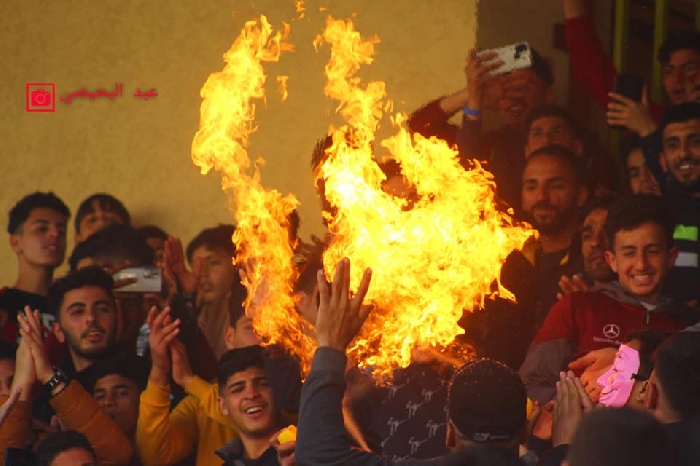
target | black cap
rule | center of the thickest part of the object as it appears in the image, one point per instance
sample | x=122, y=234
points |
x=487, y=401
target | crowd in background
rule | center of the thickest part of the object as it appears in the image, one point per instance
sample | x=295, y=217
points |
x=595, y=362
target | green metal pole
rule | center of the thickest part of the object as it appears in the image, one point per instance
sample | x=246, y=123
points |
x=620, y=33
x=660, y=26
x=622, y=13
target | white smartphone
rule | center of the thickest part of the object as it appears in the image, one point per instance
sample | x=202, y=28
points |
x=514, y=57
x=148, y=279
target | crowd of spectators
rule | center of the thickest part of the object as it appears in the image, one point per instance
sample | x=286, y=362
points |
x=595, y=362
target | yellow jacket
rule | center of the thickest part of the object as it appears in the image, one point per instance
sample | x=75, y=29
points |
x=164, y=437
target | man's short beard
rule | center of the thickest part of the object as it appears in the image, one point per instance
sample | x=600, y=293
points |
x=602, y=274
x=692, y=187
x=93, y=354
x=557, y=224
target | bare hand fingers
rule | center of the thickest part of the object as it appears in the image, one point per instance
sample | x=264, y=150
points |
x=582, y=363
x=335, y=283
x=33, y=318
x=620, y=98
x=161, y=317
x=578, y=283
x=478, y=58
x=178, y=348
x=27, y=329
x=582, y=393
x=363, y=314
x=565, y=285
x=616, y=120
x=363, y=288
x=152, y=314
x=344, y=291
x=323, y=290
x=166, y=334
x=484, y=69
x=31, y=339
x=285, y=449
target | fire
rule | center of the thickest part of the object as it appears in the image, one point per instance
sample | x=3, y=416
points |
x=431, y=259
x=282, y=81
x=300, y=8
x=264, y=252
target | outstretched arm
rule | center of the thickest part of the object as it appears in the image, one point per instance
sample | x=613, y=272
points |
x=163, y=437
x=591, y=63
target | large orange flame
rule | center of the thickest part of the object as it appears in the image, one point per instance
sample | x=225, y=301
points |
x=262, y=238
x=432, y=259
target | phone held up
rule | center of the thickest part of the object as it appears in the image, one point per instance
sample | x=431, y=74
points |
x=630, y=86
x=148, y=279
x=514, y=57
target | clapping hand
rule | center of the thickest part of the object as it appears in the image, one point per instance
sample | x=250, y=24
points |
x=571, y=403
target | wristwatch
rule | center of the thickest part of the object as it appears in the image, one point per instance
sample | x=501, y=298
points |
x=58, y=378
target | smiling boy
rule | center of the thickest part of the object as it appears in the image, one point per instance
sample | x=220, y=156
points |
x=641, y=252
x=246, y=397
x=680, y=160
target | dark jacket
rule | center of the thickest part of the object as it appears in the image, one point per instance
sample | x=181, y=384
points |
x=321, y=435
x=505, y=329
x=233, y=455
x=407, y=416
x=683, y=280
x=685, y=441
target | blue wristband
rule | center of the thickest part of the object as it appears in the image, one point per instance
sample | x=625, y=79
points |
x=469, y=112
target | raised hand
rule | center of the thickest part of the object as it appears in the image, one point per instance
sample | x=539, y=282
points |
x=633, y=115
x=182, y=371
x=25, y=374
x=571, y=403
x=478, y=75
x=30, y=329
x=340, y=315
x=163, y=330
x=571, y=284
x=174, y=263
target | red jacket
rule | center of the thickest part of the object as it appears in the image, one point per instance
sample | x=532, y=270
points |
x=582, y=322
x=593, y=67
x=596, y=320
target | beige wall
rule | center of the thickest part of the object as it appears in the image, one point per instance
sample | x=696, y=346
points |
x=140, y=151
